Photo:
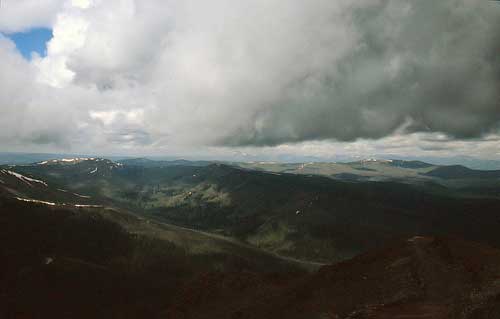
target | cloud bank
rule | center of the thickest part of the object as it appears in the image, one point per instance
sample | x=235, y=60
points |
x=21, y=15
x=124, y=74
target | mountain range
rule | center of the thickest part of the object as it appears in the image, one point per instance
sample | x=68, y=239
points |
x=143, y=238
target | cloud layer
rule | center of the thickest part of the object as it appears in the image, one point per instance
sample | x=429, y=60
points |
x=21, y=15
x=124, y=74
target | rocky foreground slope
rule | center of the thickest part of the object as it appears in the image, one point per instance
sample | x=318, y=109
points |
x=423, y=277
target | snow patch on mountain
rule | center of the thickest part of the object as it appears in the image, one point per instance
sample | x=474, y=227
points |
x=35, y=201
x=79, y=160
x=88, y=206
x=374, y=160
x=76, y=194
x=71, y=160
x=81, y=196
x=23, y=178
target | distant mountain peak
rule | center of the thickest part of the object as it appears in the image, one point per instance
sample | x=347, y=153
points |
x=75, y=160
x=374, y=160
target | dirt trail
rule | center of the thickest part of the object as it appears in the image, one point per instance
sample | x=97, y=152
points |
x=159, y=229
x=308, y=265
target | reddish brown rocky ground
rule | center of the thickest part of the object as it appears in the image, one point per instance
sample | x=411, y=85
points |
x=416, y=279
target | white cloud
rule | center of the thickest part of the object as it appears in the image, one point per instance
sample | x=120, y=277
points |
x=22, y=15
x=164, y=75
x=82, y=4
x=110, y=117
x=69, y=35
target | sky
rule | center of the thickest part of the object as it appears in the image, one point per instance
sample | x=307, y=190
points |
x=251, y=79
x=33, y=41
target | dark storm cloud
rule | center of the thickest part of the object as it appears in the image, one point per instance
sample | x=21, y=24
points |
x=434, y=148
x=434, y=66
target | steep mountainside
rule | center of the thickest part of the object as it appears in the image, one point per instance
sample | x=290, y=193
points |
x=25, y=187
x=66, y=260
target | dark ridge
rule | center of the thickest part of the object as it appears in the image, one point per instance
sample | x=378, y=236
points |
x=459, y=171
x=410, y=164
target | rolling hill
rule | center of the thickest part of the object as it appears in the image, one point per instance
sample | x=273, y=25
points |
x=303, y=216
x=403, y=171
x=462, y=172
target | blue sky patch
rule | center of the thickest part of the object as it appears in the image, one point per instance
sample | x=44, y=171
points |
x=34, y=40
